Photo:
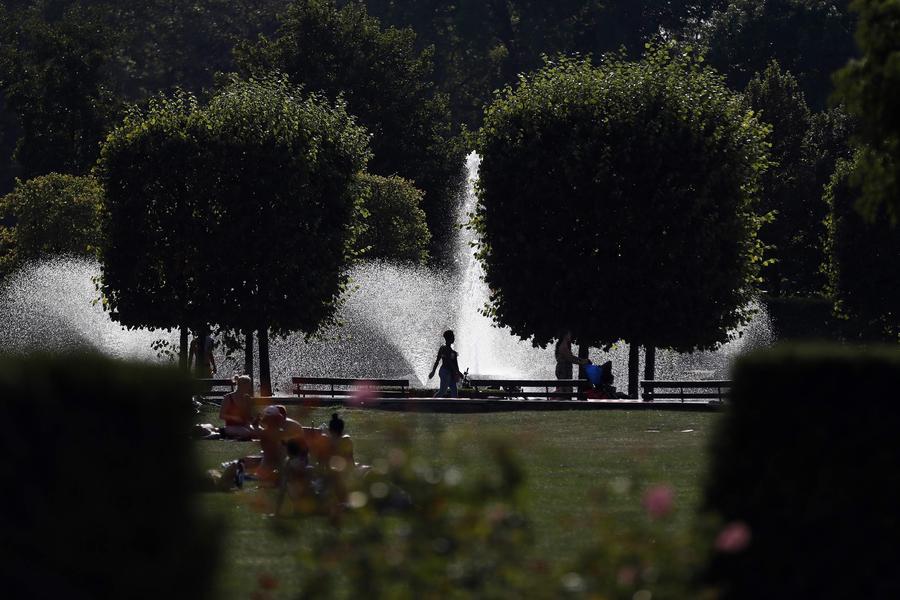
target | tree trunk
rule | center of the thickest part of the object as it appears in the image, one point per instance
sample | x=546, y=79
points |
x=183, y=349
x=633, y=366
x=265, y=373
x=650, y=364
x=248, y=353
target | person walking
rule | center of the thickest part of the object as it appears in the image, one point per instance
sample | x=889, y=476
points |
x=449, y=372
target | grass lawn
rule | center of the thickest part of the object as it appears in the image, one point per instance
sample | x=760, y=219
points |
x=566, y=455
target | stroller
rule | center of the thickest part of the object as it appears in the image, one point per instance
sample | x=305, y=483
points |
x=601, y=380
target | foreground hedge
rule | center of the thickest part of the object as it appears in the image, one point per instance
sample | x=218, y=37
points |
x=99, y=472
x=807, y=457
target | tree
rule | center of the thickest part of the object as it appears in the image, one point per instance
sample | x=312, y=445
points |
x=863, y=258
x=386, y=83
x=49, y=215
x=618, y=201
x=480, y=46
x=788, y=188
x=809, y=38
x=67, y=66
x=394, y=226
x=869, y=86
x=52, y=79
x=241, y=213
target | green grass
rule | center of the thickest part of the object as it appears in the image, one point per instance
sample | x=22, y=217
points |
x=565, y=455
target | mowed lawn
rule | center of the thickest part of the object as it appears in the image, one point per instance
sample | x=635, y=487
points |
x=566, y=456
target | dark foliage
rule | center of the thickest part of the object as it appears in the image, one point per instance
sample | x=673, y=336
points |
x=788, y=193
x=863, y=260
x=618, y=201
x=394, y=227
x=68, y=66
x=870, y=87
x=242, y=213
x=809, y=38
x=807, y=457
x=483, y=45
x=386, y=83
x=53, y=214
x=103, y=470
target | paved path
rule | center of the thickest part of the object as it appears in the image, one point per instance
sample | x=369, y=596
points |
x=470, y=405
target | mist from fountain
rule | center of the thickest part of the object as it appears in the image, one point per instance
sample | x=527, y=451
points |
x=392, y=322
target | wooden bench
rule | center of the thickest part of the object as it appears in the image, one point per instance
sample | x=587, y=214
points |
x=206, y=387
x=715, y=389
x=518, y=388
x=342, y=386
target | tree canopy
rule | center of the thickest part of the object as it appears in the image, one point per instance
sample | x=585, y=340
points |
x=394, y=227
x=386, y=83
x=809, y=38
x=863, y=259
x=52, y=78
x=870, y=86
x=618, y=201
x=788, y=191
x=241, y=213
x=481, y=46
x=52, y=214
x=68, y=66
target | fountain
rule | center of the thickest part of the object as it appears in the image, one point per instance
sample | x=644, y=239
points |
x=391, y=323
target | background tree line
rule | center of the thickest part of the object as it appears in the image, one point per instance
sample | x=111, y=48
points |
x=418, y=74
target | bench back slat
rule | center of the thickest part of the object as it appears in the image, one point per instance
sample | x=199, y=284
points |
x=524, y=383
x=350, y=381
x=686, y=390
x=715, y=383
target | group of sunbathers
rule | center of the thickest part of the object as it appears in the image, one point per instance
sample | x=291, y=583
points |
x=287, y=447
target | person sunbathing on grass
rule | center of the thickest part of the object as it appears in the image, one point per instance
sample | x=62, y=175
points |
x=276, y=430
x=237, y=411
x=325, y=445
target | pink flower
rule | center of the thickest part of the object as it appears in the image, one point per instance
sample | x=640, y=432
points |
x=627, y=576
x=659, y=500
x=363, y=393
x=733, y=538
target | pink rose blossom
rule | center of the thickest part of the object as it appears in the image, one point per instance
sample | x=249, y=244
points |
x=627, y=576
x=733, y=538
x=659, y=500
x=363, y=393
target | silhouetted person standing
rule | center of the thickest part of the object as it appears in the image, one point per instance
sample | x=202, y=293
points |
x=449, y=372
x=565, y=359
x=200, y=355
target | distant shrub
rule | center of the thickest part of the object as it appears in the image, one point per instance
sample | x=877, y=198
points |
x=49, y=215
x=99, y=471
x=395, y=227
x=806, y=460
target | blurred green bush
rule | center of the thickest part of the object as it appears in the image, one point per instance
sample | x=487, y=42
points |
x=807, y=458
x=100, y=478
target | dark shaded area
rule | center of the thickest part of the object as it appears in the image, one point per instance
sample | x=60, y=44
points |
x=807, y=457
x=101, y=472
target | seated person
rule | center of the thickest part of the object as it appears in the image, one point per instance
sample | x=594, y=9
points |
x=277, y=430
x=333, y=443
x=295, y=480
x=237, y=411
x=341, y=444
